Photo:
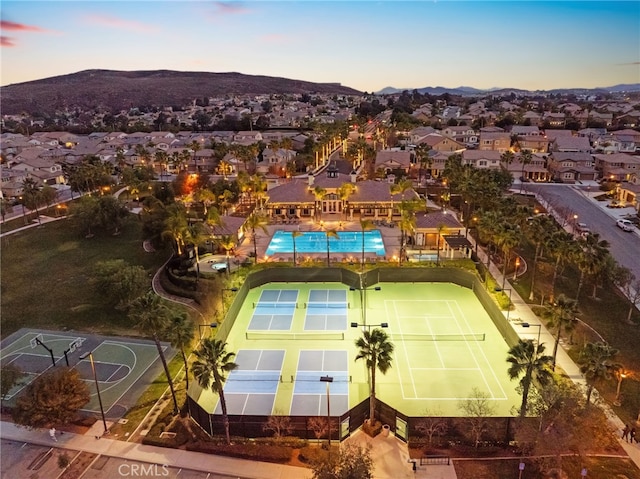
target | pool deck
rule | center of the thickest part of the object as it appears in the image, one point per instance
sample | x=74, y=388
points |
x=390, y=238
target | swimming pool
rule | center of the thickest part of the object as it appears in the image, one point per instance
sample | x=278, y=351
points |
x=316, y=242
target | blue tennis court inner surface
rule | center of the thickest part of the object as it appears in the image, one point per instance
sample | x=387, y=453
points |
x=316, y=242
x=287, y=336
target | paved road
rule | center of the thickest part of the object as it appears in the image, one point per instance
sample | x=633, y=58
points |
x=569, y=200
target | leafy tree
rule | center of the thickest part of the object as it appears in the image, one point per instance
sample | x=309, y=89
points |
x=175, y=226
x=120, y=282
x=210, y=368
x=476, y=409
x=279, y=424
x=111, y=213
x=53, y=398
x=5, y=208
x=31, y=196
x=596, y=363
x=179, y=332
x=630, y=286
x=48, y=195
x=560, y=315
x=527, y=360
x=351, y=462
x=10, y=375
x=590, y=259
x=376, y=350
x=84, y=212
x=149, y=314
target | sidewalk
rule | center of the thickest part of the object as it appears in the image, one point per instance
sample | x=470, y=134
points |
x=156, y=455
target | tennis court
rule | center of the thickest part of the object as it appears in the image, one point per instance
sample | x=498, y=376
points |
x=445, y=345
x=120, y=364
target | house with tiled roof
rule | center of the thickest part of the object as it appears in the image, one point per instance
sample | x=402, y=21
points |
x=552, y=134
x=522, y=130
x=45, y=172
x=395, y=159
x=571, y=143
x=481, y=158
x=441, y=143
x=533, y=143
x=495, y=140
x=435, y=226
x=320, y=197
x=617, y=166
x=554, y=119
x=629, y=140
x=536, y=170
x=462, y=134
x=629, y=192
x=570, y=167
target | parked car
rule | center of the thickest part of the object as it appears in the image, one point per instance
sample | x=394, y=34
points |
x=582, y=229
x=625, y=225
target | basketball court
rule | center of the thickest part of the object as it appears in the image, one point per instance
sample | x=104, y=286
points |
x=123, y=367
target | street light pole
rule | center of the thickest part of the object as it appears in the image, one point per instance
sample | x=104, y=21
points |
x=95, y=378
x=621, y=376
x=210, y=325
x=328, y=380
x=529, y=325
x=222, y=291
x=498, y=290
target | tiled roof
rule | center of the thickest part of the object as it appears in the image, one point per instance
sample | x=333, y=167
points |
x=436, y=219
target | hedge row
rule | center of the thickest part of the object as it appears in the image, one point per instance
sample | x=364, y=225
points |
x=254, y=452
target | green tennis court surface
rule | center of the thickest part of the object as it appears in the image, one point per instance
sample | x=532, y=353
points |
x=445, y=345
x=123, y=366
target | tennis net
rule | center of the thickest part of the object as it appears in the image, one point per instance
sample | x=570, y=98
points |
x=439, y=337
x=285, y=335
x=327, y=305
x=275, y=305
x=256, y=375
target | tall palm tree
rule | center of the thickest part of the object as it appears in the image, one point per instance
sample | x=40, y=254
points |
x=507, y=238
x=227, y=243
x=560, y=314
x=294, y=235
x=596, y=362
x=318, y=193
x=254, y=222
x=407, y=224
x=180, y=334
x=526, y=157
x=561, y=248
x=591, y=256
x=344, y=192
x=376, y=350
x=365, y=225
x=527, y=360
x=330, y=234
x=195, y=146
x=176, y=226
x=149, y=314
x=210, y=368
x=441, y=229
x=31, y=196
x=539, y=231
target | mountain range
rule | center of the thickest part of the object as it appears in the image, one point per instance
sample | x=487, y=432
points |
x=470, y=91
x=114, y=91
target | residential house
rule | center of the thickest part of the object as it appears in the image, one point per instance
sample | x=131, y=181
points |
x=461, y=134
x=533, y=143
x=570, y=167
x=553, y=134
x=418, y=134
x=571, y=143
x=617, y=166
x=435, y=231
x=629, y=140
x=441, y=143
x=536, y=170
x=521, y=130
x=554, y=119
x=499, y=141
x=629, y=192
x=395, y=159
x=45, y=172
x=481, y=158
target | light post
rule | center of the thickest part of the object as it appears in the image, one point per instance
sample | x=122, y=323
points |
x=575, y=223
x=583, y=473
x=515, y=272
x=499, y=290
x=327, y=380
x=520, y=468
x=95, y=378
x=369, y=326
x=621, y=375
x=529, y=325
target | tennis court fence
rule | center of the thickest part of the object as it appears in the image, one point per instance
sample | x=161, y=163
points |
x=285, y=335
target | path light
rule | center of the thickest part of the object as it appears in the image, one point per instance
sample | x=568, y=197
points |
x=621, y=375
x=95, y=378
x=529, y=325
x=328, y=379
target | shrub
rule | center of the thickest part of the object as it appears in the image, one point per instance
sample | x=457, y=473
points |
x=254, y=452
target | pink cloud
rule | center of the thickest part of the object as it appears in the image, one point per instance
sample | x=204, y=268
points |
x=6, y=41
x=120, y=23
x=7, y=25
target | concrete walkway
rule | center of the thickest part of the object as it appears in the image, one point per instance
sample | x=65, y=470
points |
x=155, y=455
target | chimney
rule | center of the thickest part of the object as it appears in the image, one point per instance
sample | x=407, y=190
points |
x=354, y=176
x=311, y=179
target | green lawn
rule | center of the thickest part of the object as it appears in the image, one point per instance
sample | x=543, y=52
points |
x=46, y=277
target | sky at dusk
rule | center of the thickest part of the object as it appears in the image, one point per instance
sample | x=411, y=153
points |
x=366, y=45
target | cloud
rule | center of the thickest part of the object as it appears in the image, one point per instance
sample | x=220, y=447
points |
x=7, y=25
x=6, y=41
x=629, y=64
x=228, y=8
x=119, y=23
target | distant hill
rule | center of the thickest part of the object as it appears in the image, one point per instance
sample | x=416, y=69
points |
x=469, y=91
x=117, y=90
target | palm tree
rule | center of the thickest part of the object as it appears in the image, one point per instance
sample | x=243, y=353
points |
x=526, y=157
x=227, y=243
x=507, y=238
x=255, y=221
x=528, y=361
x=591, y=257
x=195, y=147
x=596, y=362
x=180, y=334
x=365, y=225
x=344, y=192
x=149, y=314
x=538, y=230
x=560, y=315
x=407, y=224
x=376, y=349
x=441, y=229
x=294, y=235
x=318, y=193
x=212, y=364
x=31, y=196
x=330, y=234
x=176, y=226
x=561, y=247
